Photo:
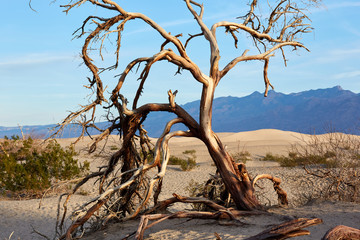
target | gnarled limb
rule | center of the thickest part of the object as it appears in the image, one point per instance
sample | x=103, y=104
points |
x=159, y=176
x=220, y=213
x=282, y=196
x=342, y=232
x=104, y=197
x=286, y=230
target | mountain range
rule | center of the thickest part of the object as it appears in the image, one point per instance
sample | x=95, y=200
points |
x=313, y=111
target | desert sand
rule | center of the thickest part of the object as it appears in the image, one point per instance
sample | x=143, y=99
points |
x=21, y=219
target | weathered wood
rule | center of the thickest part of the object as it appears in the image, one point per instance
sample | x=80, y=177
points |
x=219, y=213
x=288, y=229
x=237, y=181
x=162, y=205
x=342, y=232
x=282, y=195
x=83, y=219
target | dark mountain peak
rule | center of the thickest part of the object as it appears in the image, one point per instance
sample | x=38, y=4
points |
x=300, y=112
x=338, y=87
x=255, y=94
x=225, y=99
x=333, y=92
x=273, y=93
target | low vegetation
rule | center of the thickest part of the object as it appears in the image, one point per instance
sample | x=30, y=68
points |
x=212, y=189
x=186, y=164
x=333, y=159
x=241, y=156
x=29, y=166
x=296, y=159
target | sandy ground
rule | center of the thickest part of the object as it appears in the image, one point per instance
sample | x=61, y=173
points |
x=20, y=219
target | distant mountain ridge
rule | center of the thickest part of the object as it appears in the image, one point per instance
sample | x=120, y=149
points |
x=306, y=112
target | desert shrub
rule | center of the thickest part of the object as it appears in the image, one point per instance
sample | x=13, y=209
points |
x=290, y=161
x=147, y=156
x=241, y=156
x=196, y=189
x=114, y=148
x=213, y=189
x=334, y=160
x=271, y=158
x=173, y=160
x=30, y=164
x=295, y=159
x=186, y=164
x=189, y=164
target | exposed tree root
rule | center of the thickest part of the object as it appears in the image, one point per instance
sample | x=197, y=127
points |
x=342, y=232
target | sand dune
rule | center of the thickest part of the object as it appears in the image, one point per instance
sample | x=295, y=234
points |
x=20, y=217
x=257, y=143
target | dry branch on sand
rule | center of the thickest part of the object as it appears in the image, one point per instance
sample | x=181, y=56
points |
x=285, y=230
x=342, y=232
x=125, y=188
x=293, y=228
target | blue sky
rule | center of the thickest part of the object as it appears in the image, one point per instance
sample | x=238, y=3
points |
x=41, y=74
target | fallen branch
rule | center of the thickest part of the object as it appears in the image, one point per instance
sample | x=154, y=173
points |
x=288, y=229
x=342, y=232
x=182, y=214
x=214, y=206
x=82, y=220
x=219, y=213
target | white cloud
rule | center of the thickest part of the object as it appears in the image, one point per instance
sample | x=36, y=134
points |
x=345, y=75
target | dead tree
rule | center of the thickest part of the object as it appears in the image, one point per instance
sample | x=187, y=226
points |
x=124, y=178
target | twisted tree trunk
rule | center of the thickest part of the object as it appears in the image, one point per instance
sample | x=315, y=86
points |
x=237, y=181
x=235, y=177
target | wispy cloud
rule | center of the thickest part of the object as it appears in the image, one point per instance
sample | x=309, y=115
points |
x=345, y=52
x=36, y=58
x=334, y=6
x=222, y=15
x=353, y=30
x=337, y=55
x=341, y=4
x=346, y=75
